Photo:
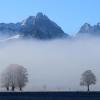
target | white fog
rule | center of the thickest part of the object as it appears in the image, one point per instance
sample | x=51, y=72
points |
x=54, y=65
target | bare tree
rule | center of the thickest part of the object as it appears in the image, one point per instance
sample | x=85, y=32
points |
x=88, y=78
x=14, y=76
x=5, y=79
x=9, y=77
x=22, y=77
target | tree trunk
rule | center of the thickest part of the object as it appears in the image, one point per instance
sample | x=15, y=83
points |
x=13, y=88
x=88, y=88
x=7, y=88
x=20, y=88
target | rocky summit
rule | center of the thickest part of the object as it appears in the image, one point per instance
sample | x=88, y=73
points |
x=90, y=30
x=39, y=27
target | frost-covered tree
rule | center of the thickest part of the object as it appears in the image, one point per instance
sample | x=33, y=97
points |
x=14, y=76
x=9, y=78
x=88, y=78
x=22, y=77
x=5, y=79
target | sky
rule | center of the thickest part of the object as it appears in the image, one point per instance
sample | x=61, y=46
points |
x=69, y=14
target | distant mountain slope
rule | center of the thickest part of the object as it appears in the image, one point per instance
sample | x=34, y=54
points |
x=90, y=30
x=39, y=26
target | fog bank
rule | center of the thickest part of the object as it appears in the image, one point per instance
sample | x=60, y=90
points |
x=56, y=64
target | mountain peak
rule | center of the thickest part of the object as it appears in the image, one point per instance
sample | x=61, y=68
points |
x=90, y=30
x=39, y=26
x=86, y=28
x=40, y=14
x=32, y=19
x=98, y=24
x=29, y=21
x=45, y=28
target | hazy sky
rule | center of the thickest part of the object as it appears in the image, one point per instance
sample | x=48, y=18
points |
x=69, y=14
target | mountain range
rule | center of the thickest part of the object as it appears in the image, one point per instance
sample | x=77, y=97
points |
x=41, y=27
x=88, y=29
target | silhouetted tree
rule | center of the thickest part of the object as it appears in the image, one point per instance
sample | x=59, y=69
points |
x=88, y=78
